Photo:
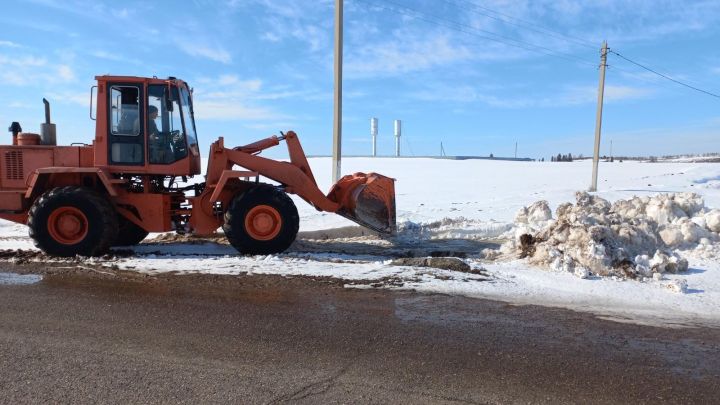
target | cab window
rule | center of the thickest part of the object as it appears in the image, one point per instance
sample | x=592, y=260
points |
x=125, y=125
x=125, y=108
x=165, y=133
x=189, y=117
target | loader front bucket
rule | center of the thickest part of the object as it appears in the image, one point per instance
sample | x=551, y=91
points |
x=367, y=199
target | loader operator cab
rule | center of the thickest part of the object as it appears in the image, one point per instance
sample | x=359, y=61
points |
x=151, y=127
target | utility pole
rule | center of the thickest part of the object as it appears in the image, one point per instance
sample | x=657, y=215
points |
x=598, y=118
x=337, y=114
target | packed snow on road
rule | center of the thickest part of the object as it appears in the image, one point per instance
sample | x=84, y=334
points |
x=644, y=248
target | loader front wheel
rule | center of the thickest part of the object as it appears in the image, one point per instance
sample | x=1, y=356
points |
x=262, y=220
x=69, y=221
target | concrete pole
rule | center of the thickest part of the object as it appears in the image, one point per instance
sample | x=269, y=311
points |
x=337, y=114
x=398, y=132
x=598, y=118
x=374, y=133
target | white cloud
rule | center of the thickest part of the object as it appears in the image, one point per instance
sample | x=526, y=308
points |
x=224, y=110
x=622, y=20
x=66, y=73
x=228, y=86
x=106, y=55
x=29, y=70
x=20, y=104
x=568, y=96
x=271, y=37
x=228, y=97
x=316, y=36
x=33, y=71
x=115, y=57
x=295, y=9
x=269, y=126
x=587, y=22
x=9, y=44
x=588, y=94
x=576, y=95
x=121, y=13
x=70, y=97
x=299, y=20
x=404, y=54
x=22, y=61
x=236, y=83
x=216, y=53
x=462, y=93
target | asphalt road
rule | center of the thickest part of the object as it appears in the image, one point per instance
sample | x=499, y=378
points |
x=211, y=339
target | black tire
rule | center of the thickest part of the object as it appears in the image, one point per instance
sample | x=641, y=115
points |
x=129, y=234
x=93, y=217
x=258, y=198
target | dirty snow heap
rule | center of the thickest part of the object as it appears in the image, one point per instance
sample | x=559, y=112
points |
x=638, y=238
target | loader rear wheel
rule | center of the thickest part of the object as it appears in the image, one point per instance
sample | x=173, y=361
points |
x=129, y=234
x=69, y=221
x=262, y=220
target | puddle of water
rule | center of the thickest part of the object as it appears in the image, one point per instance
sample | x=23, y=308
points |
x=19, y=279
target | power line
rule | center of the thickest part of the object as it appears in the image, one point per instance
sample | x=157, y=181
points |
x=521, y=24
x=665, y=76
x=658, y=81
x=651, y=79
x=468, y=29
x=519, y=43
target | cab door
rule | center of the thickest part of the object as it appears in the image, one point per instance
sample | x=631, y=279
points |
x=167, y=142
x=126, y=124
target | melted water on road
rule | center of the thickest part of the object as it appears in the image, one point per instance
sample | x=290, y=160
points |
x=19, y=279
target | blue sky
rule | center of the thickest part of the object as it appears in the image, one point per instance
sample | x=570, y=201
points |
x=261, y=66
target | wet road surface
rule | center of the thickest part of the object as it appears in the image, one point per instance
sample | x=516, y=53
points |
x=89, y=338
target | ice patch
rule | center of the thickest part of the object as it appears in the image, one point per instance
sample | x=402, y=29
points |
x=19, y=279
x=707, y=179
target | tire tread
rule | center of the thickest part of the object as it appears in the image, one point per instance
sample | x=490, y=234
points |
x=105, y=210
x=234, y=228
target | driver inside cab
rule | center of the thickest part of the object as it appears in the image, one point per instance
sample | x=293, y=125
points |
x=158, y=142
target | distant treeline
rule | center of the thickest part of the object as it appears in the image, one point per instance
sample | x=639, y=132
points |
x=570, y=157
x=563, y=158
x=654, y=159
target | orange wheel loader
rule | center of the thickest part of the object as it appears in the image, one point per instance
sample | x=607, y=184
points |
x=83, y=199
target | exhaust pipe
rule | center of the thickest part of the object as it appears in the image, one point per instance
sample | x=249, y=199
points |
x=47, y=110
x=47, y=129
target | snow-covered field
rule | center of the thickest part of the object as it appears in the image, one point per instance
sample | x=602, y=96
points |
x=465, y=207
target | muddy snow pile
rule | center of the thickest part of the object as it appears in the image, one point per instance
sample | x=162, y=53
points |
x=643, y=237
